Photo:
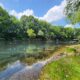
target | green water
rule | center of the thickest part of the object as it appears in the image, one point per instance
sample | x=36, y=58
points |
x=20, y=50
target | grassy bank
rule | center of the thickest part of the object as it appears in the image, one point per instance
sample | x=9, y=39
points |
x=67, y=68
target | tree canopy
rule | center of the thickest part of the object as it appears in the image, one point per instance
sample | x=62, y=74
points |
x=72, y=10
x=29, y=27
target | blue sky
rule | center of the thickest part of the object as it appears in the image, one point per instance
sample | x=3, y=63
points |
x=49, y=10
x=40, y=7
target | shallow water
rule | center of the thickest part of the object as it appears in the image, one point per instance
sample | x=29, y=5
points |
x=11, y=54
x=19, y=71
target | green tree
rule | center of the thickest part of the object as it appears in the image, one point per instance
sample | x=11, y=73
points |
x=31, y=33
x=40, y=33
x=70, y=33
x=72, y=10
x=5, y=22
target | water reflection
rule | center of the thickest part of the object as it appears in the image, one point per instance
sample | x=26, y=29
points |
x=19, y=71
x=11, y=69
x=13, y=51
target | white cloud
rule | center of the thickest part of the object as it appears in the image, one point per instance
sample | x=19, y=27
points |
x=55, y=13
x=27, y=12
x=69, y=25
x=1, y=5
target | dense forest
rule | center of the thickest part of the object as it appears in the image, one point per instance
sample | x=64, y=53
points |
x=29, y=27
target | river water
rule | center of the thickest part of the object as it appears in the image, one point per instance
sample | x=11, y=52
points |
x=11, y=53
x=18, y=71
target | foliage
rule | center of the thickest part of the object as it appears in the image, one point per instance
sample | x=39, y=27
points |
x=40, y=33
x=70, y=50
x=31, y=33
x=30, y=27
x=72, y=10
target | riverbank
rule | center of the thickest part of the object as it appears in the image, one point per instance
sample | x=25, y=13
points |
x=67, y=68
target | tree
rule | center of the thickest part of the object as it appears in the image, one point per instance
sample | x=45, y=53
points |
x=31, y=33
x=14, y=29
x=70, y=33
x=5, y=22
x=72, y=10
x=40, y=33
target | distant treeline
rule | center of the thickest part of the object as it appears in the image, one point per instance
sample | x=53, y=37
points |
x=29, y=27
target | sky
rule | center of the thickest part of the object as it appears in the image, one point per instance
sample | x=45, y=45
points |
x=51, y=11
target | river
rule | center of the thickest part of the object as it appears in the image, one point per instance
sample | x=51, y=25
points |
x=11, y=54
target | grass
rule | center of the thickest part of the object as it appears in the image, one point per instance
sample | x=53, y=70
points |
x=67, y=68
x=70, y=50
